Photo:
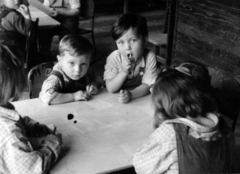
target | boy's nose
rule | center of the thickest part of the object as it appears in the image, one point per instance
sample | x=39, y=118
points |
x=127, y=46
x=77, y=69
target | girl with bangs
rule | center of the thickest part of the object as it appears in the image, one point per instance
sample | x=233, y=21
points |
x=189, y=136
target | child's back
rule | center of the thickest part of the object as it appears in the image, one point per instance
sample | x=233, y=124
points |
x=191, y=138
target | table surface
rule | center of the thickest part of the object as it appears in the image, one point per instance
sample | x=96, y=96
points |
x=45, y=21
x=106, y=133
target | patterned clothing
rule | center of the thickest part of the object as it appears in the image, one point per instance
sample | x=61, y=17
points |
x=17, y=154
x=159, y=154
x=146, y=68
x=54, y=85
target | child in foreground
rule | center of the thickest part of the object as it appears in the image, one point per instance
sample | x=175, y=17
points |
x=71, y=78
x=191, y=138
x=132, y=65
x=17, y=153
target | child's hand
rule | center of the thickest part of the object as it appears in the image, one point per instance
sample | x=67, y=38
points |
x=126, y=65
x=24, y=10
x=124, y=96
x=91, y=90
x=81, y=96
x=43, y=130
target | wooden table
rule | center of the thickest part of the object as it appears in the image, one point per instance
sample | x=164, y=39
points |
x=106, y=133
x=45, y=21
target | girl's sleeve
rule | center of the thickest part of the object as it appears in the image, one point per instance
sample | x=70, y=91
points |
x=20, y=158
x=156, y=155
x=50, y=89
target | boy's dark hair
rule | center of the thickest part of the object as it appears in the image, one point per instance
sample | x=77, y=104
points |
x=176, y=94
x=127, y=21
x=75, y=45
x=12, y=76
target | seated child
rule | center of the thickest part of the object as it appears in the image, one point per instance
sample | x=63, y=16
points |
x=71, y=78
x=132, y=65
x=15, y=21
x=17, y=154
x=191, y=138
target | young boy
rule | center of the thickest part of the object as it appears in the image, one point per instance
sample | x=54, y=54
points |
x=132, y=65
x=15, y=21
x=71, y=78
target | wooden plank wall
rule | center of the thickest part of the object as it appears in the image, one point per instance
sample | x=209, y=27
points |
x=208, y=31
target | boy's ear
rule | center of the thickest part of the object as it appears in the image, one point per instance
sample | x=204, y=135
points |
x=59, y=58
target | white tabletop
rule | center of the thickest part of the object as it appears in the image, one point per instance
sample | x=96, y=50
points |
x=105, y=137
x=45, y=21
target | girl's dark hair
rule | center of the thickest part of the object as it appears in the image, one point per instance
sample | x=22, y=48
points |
x=75, y=45
x=127, y=21
x=12, y=76
x=176, y=94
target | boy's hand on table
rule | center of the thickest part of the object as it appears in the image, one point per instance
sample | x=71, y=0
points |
x=81, y=96
x=124, y=96
x=91, y=90
x=24, y=10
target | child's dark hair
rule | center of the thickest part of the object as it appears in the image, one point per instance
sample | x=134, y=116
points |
x=75, y=45
x=176, y=94
x=12, y=76
x=127, y=21
x=198, y=71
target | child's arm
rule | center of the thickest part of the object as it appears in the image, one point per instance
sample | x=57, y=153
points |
x=64, y=12
x=24, y=10
x=19, y=155
x=117, y=81
x=126, y=96
x=157, y=154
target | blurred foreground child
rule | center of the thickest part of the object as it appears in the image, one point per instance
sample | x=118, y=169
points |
x=17, y=154
x=132, y=65
x=71, y=78
x=189, y=137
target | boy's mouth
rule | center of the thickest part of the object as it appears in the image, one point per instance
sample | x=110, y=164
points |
x=130, y=57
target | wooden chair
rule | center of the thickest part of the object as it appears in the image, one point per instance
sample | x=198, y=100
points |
x=87, y=16
x=36, y=77
x=230, y=95
x=32, y=46
x=159, y=38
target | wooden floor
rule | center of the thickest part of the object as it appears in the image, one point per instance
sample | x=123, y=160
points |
x=105, y=45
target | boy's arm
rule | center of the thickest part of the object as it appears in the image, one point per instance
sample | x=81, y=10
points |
x=67, y=12
x=116, y=82
x=19, y=155
x=140, y=91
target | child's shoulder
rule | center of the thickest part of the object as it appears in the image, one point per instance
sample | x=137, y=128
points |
x=164, y=131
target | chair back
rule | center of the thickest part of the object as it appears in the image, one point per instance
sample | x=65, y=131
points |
x=229, y=94
x=36, y=77
x=32, y=46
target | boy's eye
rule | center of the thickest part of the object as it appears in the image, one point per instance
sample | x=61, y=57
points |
x=120, y=42
x=71, y=63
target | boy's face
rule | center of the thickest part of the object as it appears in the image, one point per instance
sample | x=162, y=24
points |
x=131, y=44
x=74, y=67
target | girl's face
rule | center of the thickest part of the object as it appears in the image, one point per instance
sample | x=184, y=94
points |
x=130, y=44
x=74, y=67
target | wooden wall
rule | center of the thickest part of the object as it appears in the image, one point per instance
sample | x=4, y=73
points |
x=208, y=31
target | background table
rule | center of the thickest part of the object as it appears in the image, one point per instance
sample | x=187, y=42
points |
x=106, y=133
x=45, y=21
